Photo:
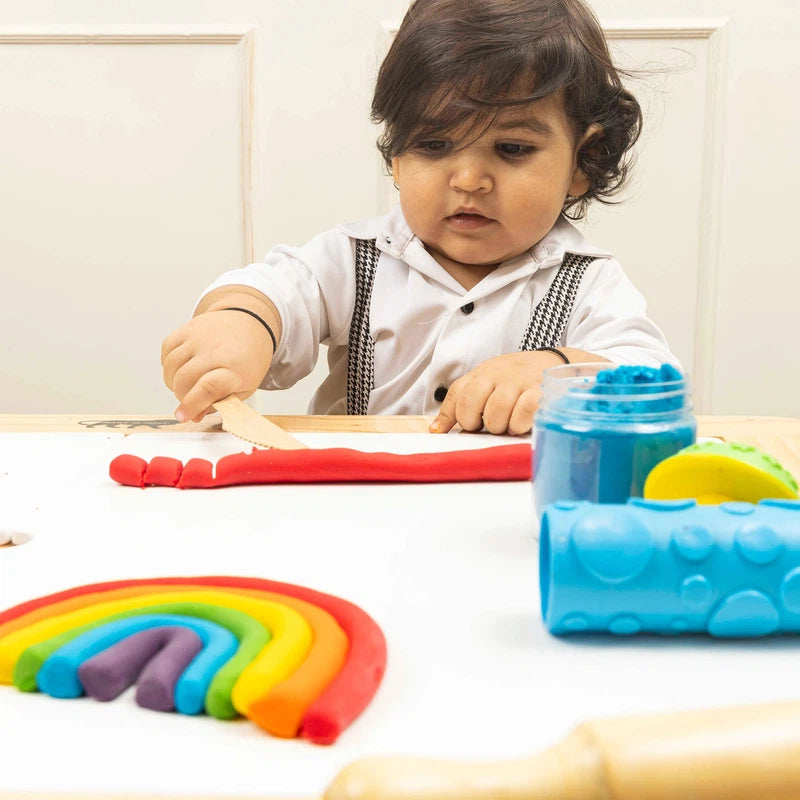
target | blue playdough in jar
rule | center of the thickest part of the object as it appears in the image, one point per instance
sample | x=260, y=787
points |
x=600, y=430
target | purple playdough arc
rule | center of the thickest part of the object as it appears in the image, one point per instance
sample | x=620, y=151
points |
x=156, y=657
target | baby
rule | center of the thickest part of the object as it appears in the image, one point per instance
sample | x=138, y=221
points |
x=500, y=118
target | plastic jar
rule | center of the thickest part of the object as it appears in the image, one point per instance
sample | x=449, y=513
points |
x=598, y=441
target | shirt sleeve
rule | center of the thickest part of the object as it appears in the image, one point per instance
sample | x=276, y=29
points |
x=313, y=290
x=610, y=319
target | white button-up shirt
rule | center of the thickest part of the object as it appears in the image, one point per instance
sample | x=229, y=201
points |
x=423, y=339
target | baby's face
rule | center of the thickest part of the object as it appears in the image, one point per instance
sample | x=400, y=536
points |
x=495, y=198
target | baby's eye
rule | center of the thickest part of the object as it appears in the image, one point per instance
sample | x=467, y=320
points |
x=512, y=150
x=433, y=146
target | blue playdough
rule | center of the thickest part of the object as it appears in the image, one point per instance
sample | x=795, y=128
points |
x=671, y=566
x=58, y=676
x=599, y=440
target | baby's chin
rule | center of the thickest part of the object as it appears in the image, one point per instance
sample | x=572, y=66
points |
x=469, y=259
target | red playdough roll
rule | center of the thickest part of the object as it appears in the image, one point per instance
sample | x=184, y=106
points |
x=163, y=471
x=348, y=694
x=334, y=465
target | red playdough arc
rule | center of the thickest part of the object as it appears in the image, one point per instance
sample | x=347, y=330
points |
x=349, y=692
x=510, y=462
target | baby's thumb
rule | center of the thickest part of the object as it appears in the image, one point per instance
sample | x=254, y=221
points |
x=446, y=417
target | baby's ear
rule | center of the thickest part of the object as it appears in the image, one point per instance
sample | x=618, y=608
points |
x=581, y=183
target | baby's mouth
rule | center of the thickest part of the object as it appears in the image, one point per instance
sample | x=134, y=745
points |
x=468, y=220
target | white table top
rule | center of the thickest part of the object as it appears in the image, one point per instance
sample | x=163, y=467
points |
x=448, y=571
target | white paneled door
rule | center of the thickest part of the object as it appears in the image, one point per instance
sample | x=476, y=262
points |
x=145, y=147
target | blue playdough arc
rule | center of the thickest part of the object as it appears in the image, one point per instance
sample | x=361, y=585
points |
x=58, y=676
x=731, y=570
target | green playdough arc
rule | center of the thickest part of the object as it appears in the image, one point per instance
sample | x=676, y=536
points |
x=252, y=636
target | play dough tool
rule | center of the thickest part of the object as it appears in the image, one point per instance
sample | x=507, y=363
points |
x=740, y=753
x=731, y=570
x=716, y=472
x=240, y=420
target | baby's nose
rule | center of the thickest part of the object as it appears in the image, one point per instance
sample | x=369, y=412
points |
x=470, y=174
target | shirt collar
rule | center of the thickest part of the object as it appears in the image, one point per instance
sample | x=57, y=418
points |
x=563, y=238
x=391, y=232
x=393, y=236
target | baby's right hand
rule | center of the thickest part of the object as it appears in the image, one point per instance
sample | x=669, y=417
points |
x=215, y=354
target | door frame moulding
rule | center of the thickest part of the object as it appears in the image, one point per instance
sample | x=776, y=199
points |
x=241, y=36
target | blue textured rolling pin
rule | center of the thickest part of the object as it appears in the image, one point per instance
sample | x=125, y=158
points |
x=730, y=570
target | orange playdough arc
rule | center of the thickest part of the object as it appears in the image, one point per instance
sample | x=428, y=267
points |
x=281, y=711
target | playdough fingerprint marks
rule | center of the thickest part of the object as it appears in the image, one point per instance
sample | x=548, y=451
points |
x=281, y=711
x=347, y=695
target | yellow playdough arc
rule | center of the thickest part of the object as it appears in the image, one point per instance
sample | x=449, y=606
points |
x=291, y=636
x=711, y=478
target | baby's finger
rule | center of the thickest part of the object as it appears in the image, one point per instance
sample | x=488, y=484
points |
x=446, y=418
x=522, y=416
x=209, y=388
x=471, y=401
x=498, y=409
x=172, y=362
x=188, y=374
x=172, y=342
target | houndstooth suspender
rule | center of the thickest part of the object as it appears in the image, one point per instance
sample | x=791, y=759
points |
x=550, y=316
x=545, y=327
x=361, y=347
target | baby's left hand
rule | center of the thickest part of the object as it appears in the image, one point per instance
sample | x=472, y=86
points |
x=501, y=394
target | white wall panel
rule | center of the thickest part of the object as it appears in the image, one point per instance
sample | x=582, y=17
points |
x=664, y=229
x=130, y=157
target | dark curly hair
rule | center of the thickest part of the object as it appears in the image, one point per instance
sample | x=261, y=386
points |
x=461, y=62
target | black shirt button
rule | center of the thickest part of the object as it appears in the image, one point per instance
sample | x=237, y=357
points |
x=468, y=308
x=440, y=394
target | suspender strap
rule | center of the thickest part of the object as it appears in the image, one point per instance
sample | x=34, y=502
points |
x=547, y=322
x=361, y=347
x=552, y=312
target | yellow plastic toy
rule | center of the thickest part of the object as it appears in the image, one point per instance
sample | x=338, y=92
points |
x=716, y=472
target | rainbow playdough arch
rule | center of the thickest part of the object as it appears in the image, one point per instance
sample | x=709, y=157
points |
x=295, y=661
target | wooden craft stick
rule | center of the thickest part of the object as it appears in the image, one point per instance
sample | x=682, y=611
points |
x=240, y=420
